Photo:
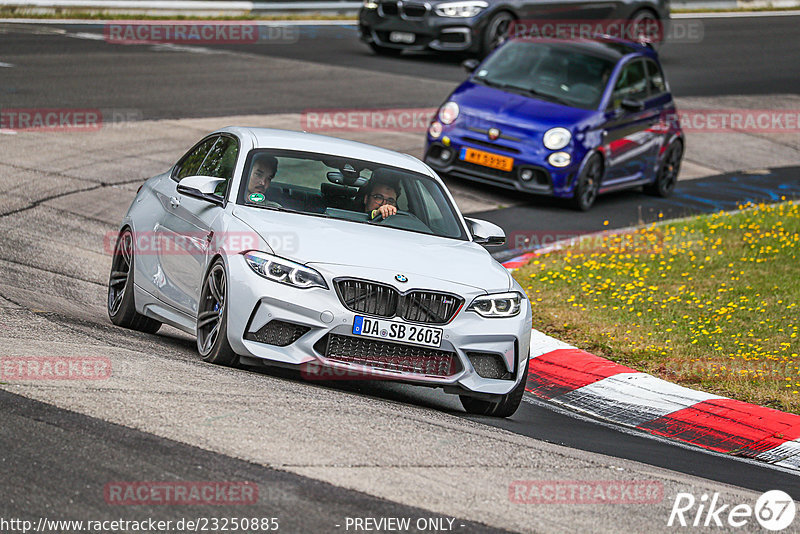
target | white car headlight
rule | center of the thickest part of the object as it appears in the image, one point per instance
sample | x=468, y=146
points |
x=497, y=305
x=448, y=113
x=370, y=4
x=557, y=138
x=460, y=9
x=283, y=271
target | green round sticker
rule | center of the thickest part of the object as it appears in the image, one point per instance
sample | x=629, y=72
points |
x=256, y=197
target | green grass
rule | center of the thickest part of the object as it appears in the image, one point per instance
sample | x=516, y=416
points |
x=711, y=302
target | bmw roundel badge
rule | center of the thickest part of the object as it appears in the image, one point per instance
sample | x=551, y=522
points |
x=401, y=278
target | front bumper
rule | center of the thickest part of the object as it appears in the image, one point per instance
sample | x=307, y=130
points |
x=320, y=314
x=431, y=32
x=443, y=154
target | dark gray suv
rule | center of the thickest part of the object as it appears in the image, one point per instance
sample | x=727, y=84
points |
x=479, y=26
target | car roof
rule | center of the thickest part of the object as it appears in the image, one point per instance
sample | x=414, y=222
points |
x=607, y=47
x=323, y=144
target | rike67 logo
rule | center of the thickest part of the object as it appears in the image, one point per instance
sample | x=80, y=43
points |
x=774, y=511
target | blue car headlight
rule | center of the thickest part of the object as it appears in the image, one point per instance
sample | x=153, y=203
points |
x=557, y=138
x=448, y=113
x=497, y=305
x=465, y=9
x=283, y=271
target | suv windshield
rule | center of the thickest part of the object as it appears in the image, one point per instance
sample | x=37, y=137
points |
x=344, y=188
x=548, y=71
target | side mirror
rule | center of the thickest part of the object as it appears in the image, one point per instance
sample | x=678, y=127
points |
x=470, y=65
x=201, y=187
x=485, y=233
x=630, y=104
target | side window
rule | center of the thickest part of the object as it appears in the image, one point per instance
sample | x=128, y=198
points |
x=655, y=78
x=189, y=165
x=220, y=161
x=632, y=83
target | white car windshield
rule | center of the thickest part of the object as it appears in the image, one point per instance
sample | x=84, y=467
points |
x=347, y=189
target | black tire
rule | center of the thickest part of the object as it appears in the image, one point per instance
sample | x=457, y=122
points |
x=668, y=170
x=505, y=405
x=385, y=51
x=496, y=32
x=587, y=184
x=121, y=306
x=646, y=20
x=212, y=318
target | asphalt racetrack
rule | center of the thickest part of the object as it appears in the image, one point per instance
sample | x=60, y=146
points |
x=320, y=453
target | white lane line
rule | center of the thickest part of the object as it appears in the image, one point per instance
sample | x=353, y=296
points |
x=6, y=65
x=735, y=14
x=87, y=35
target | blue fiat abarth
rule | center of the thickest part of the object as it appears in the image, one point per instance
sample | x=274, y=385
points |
x=567, y=118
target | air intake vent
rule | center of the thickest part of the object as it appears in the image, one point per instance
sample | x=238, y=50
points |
x=278, y=333
x=489, y=365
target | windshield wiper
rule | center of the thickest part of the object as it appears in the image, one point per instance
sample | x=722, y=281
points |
x=524, y=90
x=545, y=96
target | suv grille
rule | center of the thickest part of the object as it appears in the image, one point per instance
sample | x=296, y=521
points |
x=414, y=11
x=389, y=8
x=388, y=356
x=430, y=307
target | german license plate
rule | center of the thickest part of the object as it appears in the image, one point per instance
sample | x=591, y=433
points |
x=487, y=159
x=402, y=37
x=397, y=331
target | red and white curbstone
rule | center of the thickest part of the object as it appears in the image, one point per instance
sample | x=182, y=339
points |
x=583, y=382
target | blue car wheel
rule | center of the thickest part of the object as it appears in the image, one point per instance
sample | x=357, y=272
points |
x=587, y=184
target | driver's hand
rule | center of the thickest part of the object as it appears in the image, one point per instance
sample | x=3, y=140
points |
x=385, y=211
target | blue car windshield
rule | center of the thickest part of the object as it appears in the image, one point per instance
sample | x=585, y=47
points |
x=549, y=71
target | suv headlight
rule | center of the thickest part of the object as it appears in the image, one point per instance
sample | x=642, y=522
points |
x=460, y=9
x=283, y=271
x=370, y=4
x=557, y=138
x=497, y=305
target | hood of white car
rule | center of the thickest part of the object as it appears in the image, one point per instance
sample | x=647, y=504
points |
x=332, y=242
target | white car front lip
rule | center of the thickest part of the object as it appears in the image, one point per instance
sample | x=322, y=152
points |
x=259, y=301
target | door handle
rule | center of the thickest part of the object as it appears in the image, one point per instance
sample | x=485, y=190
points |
x=174, y=202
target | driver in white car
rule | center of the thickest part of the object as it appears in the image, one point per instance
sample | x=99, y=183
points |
x=380, y=198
